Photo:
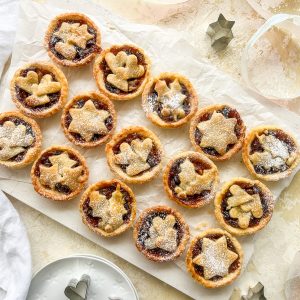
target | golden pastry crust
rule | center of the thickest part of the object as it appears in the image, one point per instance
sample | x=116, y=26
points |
x=153, y=116
x=268, y=205
x=83, y=19
x=47, y=68
x=210, y=110
x=96, y=187
x=101, y=99
x=100, y=76
x=146, y=175
x=214, y=175
x=257, y=131
x=33, y=149
x=179, y=219
x=53, y=194
x=228, y=279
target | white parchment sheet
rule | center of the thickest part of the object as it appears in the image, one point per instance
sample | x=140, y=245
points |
x=169, y=52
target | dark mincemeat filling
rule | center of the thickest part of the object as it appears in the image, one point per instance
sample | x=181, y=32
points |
x=174, y=181
x=100, y=106
x=251, y=190
x=22, y=95
x=257, y=147
x=154, y=156
x=107, y=192
x=81, y=53
x=198, y=249
x=143, y=234
x=133, y=83
x=19, y=157
x=157, y=106
x=44, y=160
x=227, y=112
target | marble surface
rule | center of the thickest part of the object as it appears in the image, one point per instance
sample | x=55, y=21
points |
x=50, y=240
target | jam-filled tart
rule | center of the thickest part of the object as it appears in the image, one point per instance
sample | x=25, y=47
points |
x=59, y=173
x=161, y=233
x=244, y=206
x=121, y=71
x=214, y=258
x=270, y=153
x=20, y=140
x=169, y=100
x=191, y=179
x=108, y=207
x=135, y=154
x=39, y=89
x=89, y=119
x=72, y=39
x=217, y=131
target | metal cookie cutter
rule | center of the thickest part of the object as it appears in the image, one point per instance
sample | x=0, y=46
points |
x=77, y=290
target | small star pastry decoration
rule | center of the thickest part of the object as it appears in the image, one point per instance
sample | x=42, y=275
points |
x=275, y=154
x=62, y=171
x=171, y=99
x=110, y=211
x=220, y=33
x=215, y=257
x=13, y=140
x=220, y=127
x=124, y=67
x=243, y=206
x=134, y=155
x=88, y=120
x=71, y=34
x=162, y=234
x=191, y=182
x=38, y=90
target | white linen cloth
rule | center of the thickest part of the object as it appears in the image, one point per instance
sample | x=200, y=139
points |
x=15, y=257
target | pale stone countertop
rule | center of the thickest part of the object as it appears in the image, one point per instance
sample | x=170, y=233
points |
x=50, y=240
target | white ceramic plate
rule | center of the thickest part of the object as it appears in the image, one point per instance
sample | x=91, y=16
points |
x=107, y=280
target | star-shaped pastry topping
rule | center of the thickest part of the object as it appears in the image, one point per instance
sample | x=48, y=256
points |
x=215, y=257
x=218, y=132
x=243, y=206
x=110, y=211
x=162, y=234
x=13, y=140
x=171, y=99
x=124, y=67
x=134, y=155
x=88, y=120
x=38, y=91
x=191, y=182
x=275, y=154
x=71, y=34
x=62, y=171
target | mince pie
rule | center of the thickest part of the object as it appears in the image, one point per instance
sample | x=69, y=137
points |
x=169, y=100
x=59, y=173
x=217, y=131
x=244, y=206
x=39, y=89
x=161, y=233
x=134, y=154
x=108, y=207
x=72, y=39
x=191, y=179
x=121, y=71
x=20, y=140
x=89, y=119
x=214, y=258
x=270, y=153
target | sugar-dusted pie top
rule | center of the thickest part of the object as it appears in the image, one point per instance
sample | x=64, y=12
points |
x=72, y=39
x=218, y=131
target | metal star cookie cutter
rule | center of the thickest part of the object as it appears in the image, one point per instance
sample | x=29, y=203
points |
x=220, y=33
x=254, y=293
x=77, y=290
